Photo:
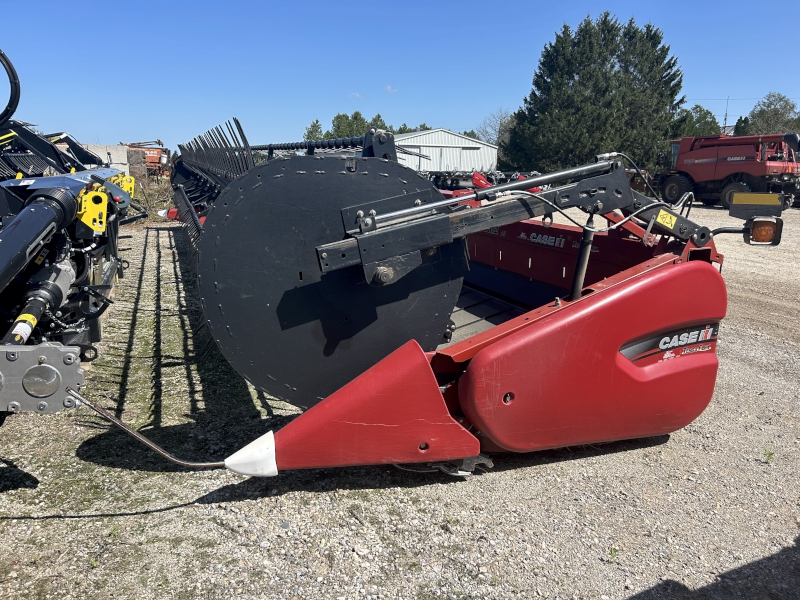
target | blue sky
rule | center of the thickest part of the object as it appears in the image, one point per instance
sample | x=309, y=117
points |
x=113, y=73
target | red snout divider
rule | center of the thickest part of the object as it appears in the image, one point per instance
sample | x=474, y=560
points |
x=391, y=413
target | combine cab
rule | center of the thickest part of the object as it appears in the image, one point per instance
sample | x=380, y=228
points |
x=716, y=167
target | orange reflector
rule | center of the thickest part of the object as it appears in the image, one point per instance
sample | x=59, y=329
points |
x=763, y=232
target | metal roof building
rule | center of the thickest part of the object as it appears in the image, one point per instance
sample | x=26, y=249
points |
x=447, y=151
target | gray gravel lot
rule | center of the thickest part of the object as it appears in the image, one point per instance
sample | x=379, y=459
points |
x=711, y=511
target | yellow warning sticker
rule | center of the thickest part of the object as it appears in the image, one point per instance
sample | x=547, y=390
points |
x=29, y=318
x=666, y=219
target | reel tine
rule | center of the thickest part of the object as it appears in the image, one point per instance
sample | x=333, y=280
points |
x=248, y=150
x=237, y=147
x=229, y=150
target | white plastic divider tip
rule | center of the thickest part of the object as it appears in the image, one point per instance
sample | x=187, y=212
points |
x=257, y=459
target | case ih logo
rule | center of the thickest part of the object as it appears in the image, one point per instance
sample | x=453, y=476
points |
x=544, y=240
x=687, y=338
x=674, y=339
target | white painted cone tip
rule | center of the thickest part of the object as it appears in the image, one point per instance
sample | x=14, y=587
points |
x=163, y=213
x=257, y=459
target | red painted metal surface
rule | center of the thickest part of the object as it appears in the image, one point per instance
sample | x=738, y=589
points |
x=548, y=254
x=449, y=359
x=565, y=381
x=391, y=413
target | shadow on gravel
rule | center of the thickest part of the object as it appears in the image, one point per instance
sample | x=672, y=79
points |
x=14, y=478
x=775, y=577
x=388, y=476
x=510, y=461
x=228, y=418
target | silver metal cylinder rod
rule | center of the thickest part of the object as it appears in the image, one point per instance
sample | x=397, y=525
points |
x=521, y=184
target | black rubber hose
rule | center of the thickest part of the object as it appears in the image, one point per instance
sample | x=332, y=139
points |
x=13, y=81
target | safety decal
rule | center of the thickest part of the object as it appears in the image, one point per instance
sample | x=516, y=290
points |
x=666, y=219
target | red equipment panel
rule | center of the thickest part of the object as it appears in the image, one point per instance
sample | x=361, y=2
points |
x=566, y=381
x=548, y=254
x=391, y=413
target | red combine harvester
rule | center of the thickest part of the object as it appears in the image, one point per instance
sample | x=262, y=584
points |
x=716, y=167
x=414, y=328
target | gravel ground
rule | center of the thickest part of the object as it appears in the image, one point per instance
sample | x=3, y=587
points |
x=711, y=511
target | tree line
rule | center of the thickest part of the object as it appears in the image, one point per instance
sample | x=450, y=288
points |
x=604, y=86
x=356, y=125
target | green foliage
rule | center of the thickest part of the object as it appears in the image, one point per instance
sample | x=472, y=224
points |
x=313, y=131
x=406, y=129
x=603, y=87
x=471, y=134
x=775, y=113
x=355, y=125
x=768, y=455
x=742, y=126
x=347, y=126
x=697, y=121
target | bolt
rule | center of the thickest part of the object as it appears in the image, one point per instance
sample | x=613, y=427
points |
x=42, y=406
x=324, y=255
x=58, y=313
x=384, y=274
x=69, y=359
x=382, y=138
x=372, y=213
x=13, y=407
x=367, y=222
x=417, y=202
x=69, y=402
x=42, y=360
x=360, y=214
x=682, y=228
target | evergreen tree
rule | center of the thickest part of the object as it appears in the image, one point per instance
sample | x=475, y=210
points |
x=355, y=125
x=603, y=87
x=471, y=134
x=742, y=126
x=378, y=123
x=313, y=131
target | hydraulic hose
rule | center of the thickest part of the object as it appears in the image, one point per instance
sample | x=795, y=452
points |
x=13, y=81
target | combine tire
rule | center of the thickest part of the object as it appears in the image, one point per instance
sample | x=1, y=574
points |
x=729, y=190
x=674, y=187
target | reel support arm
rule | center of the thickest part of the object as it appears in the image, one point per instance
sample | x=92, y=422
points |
x=382, y=239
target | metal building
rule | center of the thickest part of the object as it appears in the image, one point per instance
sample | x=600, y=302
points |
x=447, y=151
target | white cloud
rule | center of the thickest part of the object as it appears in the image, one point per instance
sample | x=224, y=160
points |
x=355, y=95
x=391, y=90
